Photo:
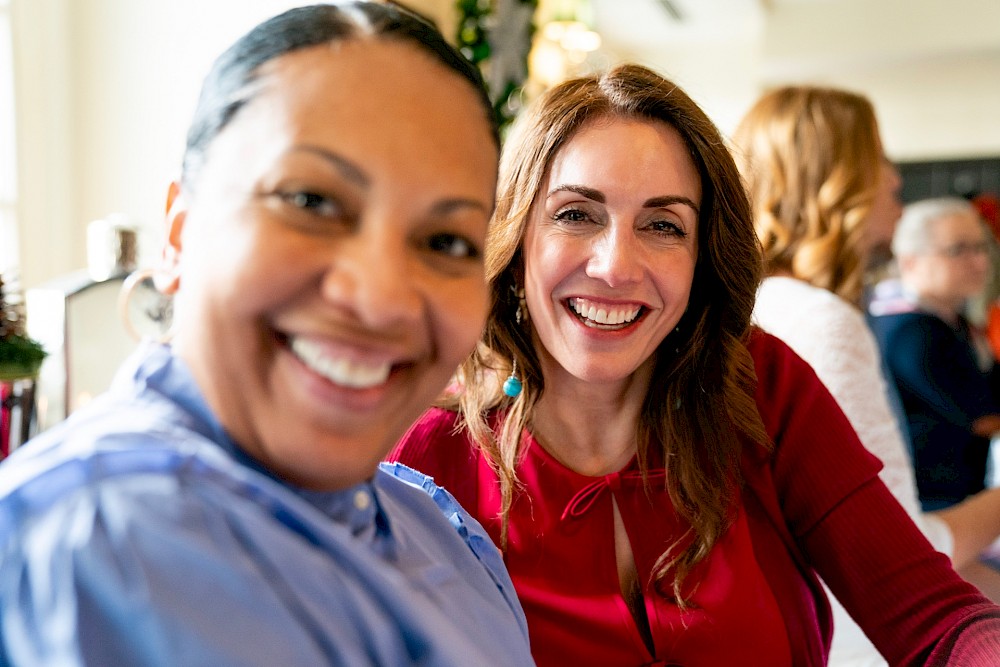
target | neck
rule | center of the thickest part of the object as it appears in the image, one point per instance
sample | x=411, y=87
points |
x=946, y=309
x=590, y=427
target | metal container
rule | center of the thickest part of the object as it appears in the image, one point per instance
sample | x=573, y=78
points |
x=112, y=247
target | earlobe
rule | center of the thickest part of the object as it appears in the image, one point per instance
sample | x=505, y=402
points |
x=168, y=277
x=905, y=263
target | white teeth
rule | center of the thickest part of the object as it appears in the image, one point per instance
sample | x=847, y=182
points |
x=603, y=314
x=340, y=371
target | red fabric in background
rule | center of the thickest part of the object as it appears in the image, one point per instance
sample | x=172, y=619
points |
x=5, y=391
x=993, y=329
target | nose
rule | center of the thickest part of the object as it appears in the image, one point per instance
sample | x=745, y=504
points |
x=615, y=256
x=368, y=275
x=895, y=180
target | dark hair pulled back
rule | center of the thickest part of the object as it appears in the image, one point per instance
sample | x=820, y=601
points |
x=228, y=86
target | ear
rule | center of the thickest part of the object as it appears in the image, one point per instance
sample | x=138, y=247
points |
x=906, y=263
x=168, y=276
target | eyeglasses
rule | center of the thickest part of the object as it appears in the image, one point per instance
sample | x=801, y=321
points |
x=957, y=250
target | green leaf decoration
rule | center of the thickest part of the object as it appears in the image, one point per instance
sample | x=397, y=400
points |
x=495, y=35
x=20, y=357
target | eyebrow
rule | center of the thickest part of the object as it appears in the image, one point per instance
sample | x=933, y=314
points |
x=348, y=169
x=667, y=200
x=589, y=193
x=449, y=206
x=598, y=196
x=354, y=173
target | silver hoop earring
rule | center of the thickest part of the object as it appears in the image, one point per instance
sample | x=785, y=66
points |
x=139, y=296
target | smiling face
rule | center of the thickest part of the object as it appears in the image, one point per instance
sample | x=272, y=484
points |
x=328, y=257
x=610, y=249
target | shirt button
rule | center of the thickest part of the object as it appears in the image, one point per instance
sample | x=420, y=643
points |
x=361, y=500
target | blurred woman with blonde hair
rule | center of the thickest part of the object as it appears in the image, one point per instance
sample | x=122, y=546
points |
x=824, y=200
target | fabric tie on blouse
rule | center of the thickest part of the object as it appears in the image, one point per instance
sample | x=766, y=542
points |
x=585, y=498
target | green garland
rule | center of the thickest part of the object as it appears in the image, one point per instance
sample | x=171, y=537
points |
x=477, y=20
x=472, y=41
x=20, y=356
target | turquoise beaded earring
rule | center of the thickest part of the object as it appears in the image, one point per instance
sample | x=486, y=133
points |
x=512, y=386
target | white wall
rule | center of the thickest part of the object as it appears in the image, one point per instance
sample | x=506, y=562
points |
x=931, y=68
x=105, y=89
x=947, y=106
x=44, y=103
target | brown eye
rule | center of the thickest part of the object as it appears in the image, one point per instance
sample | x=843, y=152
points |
x=667, y=228
x=312, y=202
x=570, y=215
x=453, y=245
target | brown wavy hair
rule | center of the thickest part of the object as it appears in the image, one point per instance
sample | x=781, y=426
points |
x=811, y=159
x=699, y=408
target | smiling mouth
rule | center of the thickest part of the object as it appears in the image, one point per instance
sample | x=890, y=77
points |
x=603, y=316
x=338, y=370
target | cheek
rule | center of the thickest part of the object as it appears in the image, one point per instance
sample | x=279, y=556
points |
x=541, y=276
x=458, y=314
x=936, y=278
x=248, y=279
x=551, y=261
x=679, y=279
x=233, y=250
x=975, y=273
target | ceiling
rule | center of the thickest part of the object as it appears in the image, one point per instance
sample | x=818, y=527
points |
x=930, y=67
x=647, y=23
x=802, y=33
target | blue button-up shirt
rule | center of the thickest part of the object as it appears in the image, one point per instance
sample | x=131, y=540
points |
x=138, y=533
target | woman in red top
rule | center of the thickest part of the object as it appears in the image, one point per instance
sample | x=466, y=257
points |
x=649, y=513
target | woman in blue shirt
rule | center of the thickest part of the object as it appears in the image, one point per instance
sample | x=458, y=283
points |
x=223, y=504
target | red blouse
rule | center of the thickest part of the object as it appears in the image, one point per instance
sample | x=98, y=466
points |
x=562, y=560
x=812, y=504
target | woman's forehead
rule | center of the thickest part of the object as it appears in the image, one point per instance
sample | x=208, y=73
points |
x=375, y=89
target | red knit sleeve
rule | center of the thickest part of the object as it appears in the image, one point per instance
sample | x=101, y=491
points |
x=818, y=458
x=973, y=643
x=902, y=592
x=435, y=448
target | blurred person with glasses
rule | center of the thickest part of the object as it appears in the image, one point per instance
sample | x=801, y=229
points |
x=947, y=379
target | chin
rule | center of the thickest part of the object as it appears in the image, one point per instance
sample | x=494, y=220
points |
x=335, y=474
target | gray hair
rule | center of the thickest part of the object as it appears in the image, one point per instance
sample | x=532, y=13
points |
x=913, y=231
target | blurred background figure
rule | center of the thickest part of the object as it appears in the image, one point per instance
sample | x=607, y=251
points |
x=947, y=382
x=825, y=201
